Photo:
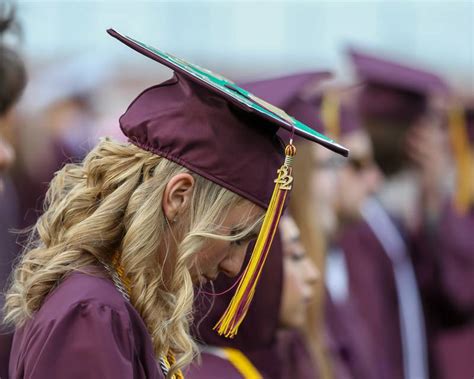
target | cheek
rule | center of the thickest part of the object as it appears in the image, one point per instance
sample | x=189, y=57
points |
x=295, y=279
x=209, y=258
x=232, y=264
x=292, y=310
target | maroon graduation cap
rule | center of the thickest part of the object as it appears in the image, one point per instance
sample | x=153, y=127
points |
x=392, y=89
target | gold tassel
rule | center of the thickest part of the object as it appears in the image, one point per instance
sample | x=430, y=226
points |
x=330, y=109
x=236, y=311
x=464, y=159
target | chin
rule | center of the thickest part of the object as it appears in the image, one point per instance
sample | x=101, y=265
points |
x=350, y=216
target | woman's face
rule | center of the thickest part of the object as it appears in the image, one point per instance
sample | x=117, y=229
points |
x=358, y=178
x=300, y=276
x=227, y=256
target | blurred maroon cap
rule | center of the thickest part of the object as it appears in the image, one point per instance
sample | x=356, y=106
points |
x=349, y=119
x=393, y=90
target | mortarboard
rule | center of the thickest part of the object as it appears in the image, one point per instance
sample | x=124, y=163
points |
x=394, y=90
x=224, y=133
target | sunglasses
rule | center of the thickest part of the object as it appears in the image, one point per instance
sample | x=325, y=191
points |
x=357, y=163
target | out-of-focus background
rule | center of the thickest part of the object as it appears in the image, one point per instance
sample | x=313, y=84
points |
x=68, y=51
x=80, y=80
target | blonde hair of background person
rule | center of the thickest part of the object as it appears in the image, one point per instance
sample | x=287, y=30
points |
x=303, y=211
x=112, y=202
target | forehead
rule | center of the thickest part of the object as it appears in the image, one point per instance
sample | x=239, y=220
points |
x=288, y=229
x=244, y=212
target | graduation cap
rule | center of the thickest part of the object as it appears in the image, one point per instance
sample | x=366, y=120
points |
x=461, y=131
x=394, y=90
x=207, y=123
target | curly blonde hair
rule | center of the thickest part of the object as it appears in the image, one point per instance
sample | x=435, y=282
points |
x=112, y=202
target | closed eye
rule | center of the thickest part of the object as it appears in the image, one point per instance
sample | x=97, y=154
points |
x=242, y=241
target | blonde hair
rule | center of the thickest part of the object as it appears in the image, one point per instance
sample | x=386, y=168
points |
x=112, y=202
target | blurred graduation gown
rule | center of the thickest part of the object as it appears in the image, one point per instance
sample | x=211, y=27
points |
x=445, y=266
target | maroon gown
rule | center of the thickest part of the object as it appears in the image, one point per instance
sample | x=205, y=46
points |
x=373, y=292
x=84, y=329
x=445, y=267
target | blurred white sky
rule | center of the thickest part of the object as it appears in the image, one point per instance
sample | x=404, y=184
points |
x=248, y=39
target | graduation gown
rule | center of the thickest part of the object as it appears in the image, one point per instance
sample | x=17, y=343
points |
x=445, y=266
x=348, y=343
x=373, y=292
x=84, y=329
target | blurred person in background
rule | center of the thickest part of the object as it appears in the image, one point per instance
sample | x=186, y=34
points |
x=356, y=179
x=59, y=123
x=328, y=194
x=268, y=345
x=445, y=257
x=397, y=107
x=12, y=83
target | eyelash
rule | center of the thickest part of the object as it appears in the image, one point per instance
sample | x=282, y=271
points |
x=297, y=257
x=237, y=243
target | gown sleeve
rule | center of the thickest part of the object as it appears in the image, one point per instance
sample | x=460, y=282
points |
x=445, y=261
x=88, y=341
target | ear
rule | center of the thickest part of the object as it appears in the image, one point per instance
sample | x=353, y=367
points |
x=177, y=195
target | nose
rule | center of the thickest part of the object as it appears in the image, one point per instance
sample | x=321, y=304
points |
x=313, y=274
x=374, y=179
x=232, y=265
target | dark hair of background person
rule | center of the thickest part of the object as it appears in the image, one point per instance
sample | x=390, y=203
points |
x=12, y=69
